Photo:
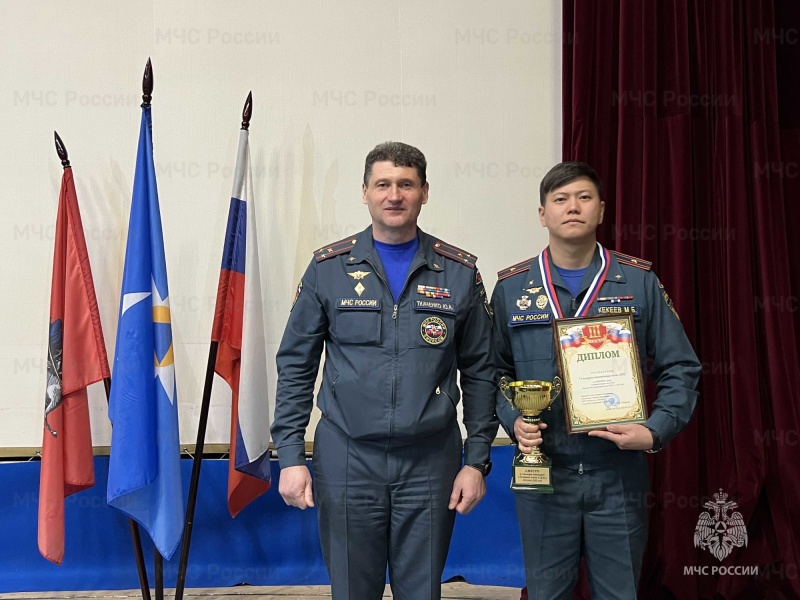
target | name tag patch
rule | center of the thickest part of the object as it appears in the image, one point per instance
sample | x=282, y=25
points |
x=618, y=309
x=435, y=306
x=358, y=304
x=542, y=317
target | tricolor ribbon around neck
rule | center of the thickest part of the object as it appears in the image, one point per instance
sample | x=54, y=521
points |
x=591, y=293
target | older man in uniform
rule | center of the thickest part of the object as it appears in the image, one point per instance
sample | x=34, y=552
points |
x=600, y=480
x=398, y=313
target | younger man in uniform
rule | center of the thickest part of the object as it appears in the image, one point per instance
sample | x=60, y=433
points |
x=600, y=479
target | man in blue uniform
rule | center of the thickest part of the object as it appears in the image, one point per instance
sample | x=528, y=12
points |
x=600, y=480
x=398, y=313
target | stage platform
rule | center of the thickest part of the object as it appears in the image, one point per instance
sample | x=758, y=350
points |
x=268, y=544
x=450, y=591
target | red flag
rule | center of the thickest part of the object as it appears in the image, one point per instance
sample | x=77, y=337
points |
x=76, y=358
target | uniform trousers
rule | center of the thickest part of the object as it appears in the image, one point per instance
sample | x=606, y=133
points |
x=380, y=506
x=602, y=513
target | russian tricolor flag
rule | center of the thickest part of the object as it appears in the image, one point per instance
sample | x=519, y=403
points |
x=241, y=353
x=566, y=341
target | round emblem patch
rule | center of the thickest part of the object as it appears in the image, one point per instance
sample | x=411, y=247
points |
x=433, y=330
x=541, y=301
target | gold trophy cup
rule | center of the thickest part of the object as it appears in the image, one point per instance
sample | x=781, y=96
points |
x=531, y=472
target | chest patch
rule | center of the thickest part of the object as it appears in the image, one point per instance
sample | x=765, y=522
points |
x=433, y=330
x=358, y=303
x=543, y=317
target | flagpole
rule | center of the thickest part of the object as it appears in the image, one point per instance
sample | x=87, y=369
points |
x=201, y=427
x=198, y=459
x=159, y=563
x=61, y=150
x=147, y=95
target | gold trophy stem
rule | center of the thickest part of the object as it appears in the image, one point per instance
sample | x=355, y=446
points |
x=535, y=456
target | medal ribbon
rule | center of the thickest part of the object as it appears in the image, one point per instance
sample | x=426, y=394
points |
x=591, y=293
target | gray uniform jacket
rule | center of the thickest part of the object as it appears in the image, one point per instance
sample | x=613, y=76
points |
x=390, y=369
x=527, y=350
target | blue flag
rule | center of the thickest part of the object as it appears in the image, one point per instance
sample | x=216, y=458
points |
x=144, y=479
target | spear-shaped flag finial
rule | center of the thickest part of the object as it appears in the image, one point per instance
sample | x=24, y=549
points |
x=247, y=112
x=62, y=150
x=147, y=83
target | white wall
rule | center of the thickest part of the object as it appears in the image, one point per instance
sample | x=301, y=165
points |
x=474, y=84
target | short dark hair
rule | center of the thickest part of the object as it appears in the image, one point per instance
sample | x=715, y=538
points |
x=567, y=172
x=400, y=154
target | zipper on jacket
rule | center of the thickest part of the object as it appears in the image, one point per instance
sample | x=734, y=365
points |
x=580, y=469
x=396, y=336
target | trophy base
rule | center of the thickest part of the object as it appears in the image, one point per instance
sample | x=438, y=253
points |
x=532, y=479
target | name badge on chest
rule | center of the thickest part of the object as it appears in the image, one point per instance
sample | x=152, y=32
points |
x=618, y=309
x=442, y=306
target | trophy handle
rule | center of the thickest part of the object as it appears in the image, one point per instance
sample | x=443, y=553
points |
x=556, y=389
x=503, y=388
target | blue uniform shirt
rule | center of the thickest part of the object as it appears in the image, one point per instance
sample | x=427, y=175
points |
x=396, y=259
x=572, y=278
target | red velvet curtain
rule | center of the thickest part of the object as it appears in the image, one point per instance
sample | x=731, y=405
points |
x=690, y=112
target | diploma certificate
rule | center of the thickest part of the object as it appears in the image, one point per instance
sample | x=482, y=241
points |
x=599, y=364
